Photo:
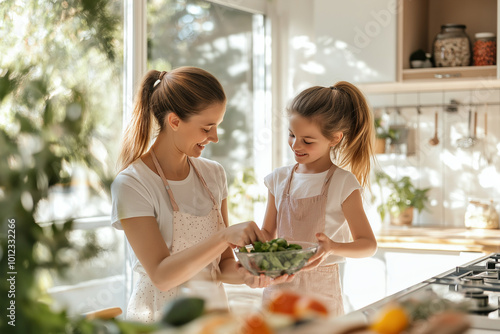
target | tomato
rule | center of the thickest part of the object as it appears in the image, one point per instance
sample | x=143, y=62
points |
x=283, y=302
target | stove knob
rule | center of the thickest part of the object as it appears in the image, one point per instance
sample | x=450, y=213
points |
x=469, y=292
x=491, y=264
x=474, y=280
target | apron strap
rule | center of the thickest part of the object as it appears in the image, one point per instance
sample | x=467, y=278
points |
x=328, y=178
x=203, y=182
x=165, y=182
x=220, y=220
x=167, y=186
x=289, y=180
x=324, y=189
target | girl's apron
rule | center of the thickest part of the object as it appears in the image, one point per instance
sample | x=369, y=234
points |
x=300, y=220
x=147, y=301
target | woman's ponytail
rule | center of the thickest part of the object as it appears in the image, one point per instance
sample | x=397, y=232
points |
x=137, y=135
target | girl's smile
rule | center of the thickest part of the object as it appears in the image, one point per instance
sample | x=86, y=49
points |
x=311, y=149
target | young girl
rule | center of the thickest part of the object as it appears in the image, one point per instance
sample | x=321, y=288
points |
x=317, y=200
x=170, y=202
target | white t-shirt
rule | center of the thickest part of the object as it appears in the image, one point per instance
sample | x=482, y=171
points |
x=137, y=191
x=342, y=184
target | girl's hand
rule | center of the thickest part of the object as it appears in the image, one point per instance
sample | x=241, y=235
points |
x=239, y=235
x=262, y=281
x=325, y=249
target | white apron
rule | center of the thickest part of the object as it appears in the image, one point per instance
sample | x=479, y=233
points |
x=146, y=303
x=299, y=220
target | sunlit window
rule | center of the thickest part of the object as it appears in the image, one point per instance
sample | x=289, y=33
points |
x=49, y=38
x=54, y=46
x=229, y=44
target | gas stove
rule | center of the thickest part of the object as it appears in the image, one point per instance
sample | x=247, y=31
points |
x=477, y=285
x=474, y=286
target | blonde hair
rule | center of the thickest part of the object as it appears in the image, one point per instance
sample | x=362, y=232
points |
x=185, y=91
x=341, y=108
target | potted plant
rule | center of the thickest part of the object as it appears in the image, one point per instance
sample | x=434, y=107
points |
x=402, y=200
x=47, y=127
x=382, y=134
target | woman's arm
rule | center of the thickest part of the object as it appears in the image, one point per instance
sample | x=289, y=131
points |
x=233, y=273
x=364, y=243
x=269, y=226
x=227, y=265
x=170, y=270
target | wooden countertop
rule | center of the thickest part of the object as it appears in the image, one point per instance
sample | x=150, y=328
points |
x=444, y=239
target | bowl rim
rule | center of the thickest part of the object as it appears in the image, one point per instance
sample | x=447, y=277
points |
x=313, y=246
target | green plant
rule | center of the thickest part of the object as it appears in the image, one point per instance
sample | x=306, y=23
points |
x=403, y=195
x=382, y=133
x=244, y=193
x=48, y=128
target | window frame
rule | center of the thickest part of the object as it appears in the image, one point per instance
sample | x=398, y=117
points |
x=135, y=65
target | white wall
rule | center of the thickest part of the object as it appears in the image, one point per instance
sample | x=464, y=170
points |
x=454, y=175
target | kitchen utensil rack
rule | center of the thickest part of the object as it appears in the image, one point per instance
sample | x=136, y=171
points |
x=449, y=107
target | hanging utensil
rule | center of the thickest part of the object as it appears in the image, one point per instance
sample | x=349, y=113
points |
x=475, y=126
x=486, y=145
x=435, y=140
x=469, y=141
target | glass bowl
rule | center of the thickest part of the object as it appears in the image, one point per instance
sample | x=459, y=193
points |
x=274, y=264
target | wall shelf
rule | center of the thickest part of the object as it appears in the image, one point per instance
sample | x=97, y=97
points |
x=430, y=86
x=445, y=73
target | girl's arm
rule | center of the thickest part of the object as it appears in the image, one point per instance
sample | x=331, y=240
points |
x=364, y=243
x=167, y=270
x=269, y=226
x=233, y=273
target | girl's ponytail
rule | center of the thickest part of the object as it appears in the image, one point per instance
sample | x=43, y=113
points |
x=137, y=134
x=356, y=149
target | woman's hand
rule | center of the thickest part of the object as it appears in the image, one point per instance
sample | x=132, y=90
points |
x=262, y=281
x=325, y=249
x=239, y=235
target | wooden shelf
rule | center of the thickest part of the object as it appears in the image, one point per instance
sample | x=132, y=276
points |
x=434, y=85
x=420, y=21
x=450, y=73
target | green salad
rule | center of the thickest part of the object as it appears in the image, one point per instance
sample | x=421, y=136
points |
x=276, y=257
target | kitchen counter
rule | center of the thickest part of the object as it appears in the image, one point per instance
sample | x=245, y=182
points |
x=443, y=239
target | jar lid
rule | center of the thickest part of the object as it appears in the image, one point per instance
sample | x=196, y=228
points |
x=453, y=25
x=485, y=35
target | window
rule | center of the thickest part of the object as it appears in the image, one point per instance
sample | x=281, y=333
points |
x=230, y=44
x=36, y=35
x=69, y=61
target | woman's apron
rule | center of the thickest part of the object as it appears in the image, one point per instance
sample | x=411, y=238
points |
x=147, y=301
x=300, y=220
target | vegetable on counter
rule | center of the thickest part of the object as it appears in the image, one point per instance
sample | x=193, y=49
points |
x=182, y=310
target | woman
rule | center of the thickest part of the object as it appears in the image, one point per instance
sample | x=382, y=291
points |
x=172, y=203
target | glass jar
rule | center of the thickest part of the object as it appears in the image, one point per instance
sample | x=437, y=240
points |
x=481, y=214
x=485, y=49
x=452, y=46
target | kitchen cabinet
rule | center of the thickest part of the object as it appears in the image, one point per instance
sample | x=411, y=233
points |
x=355, y=40
x=420, y=22
x=369, y=43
